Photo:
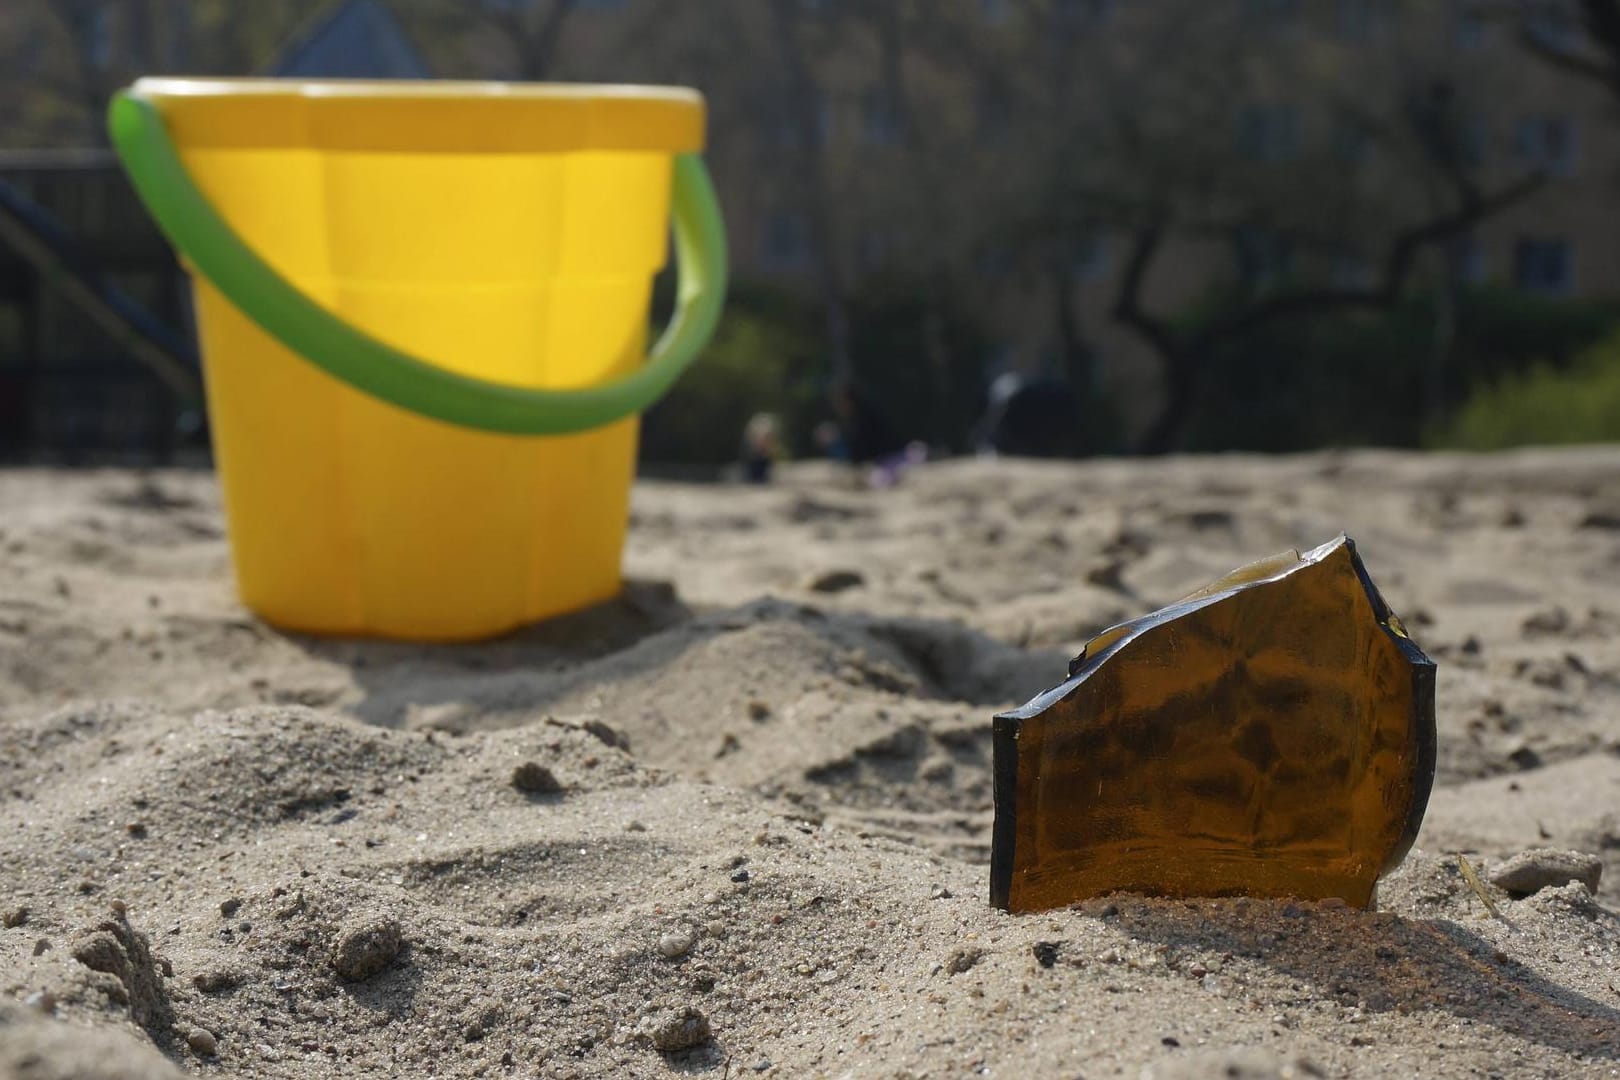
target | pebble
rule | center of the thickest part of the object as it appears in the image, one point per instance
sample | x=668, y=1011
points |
x=675, y=945
x=365, y=950
x=535, y=779
x=962, y=958
x=1541, y=868
x=608, y=735
x=213, y=981
x=836, y=581
x=1237, y=1063
x=42, y=946
x=120, y=909
x=41, y=1000
x=202, y=1041
x=230, y=907
x=17, y=916
x=711, y=898
x=680, y=1029
x=714, y=928
x=740, y=876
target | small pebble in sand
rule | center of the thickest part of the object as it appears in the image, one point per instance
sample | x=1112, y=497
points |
x=939, y=892
x=962, y=958
x=673, y=946
x=15, y=917
x=609, y=735
x=635, y=826
x=210, y=982
x=1541, y=868
x=230, y=907
x=136, y=829
x=680, y=1029
x=41, y=1001
x=740, y=876
x=836, y=581
x=714, y=928
x=120, y=909
x=202, y=1042
x=42, y=946
x=364, y=950
x=535, y=779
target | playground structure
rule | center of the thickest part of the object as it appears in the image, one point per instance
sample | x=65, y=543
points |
x=95, y=352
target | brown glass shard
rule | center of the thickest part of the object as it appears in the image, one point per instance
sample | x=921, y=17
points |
x=1270, y=735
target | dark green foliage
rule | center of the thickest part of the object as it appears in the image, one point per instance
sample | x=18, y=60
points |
x=1380, y=379
x=1543, y=406
x=764, y=358
x=919, y=355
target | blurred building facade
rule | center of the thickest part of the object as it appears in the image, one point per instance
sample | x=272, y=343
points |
x=1005, y=156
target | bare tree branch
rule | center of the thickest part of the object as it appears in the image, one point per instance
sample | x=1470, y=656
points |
x=1398, y=265
x=1128, y=310
x=1585, y=67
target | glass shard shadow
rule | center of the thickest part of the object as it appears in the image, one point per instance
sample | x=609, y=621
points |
x=1270, y=735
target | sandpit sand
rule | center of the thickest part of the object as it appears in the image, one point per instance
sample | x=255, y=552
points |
x=773, y=822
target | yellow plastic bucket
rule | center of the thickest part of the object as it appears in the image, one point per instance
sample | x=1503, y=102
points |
x=423, y=311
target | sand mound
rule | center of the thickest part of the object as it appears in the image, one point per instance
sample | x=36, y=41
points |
x=736, y=822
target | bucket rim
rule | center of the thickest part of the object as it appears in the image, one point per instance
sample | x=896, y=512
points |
x=161, y=87
x=424, y=115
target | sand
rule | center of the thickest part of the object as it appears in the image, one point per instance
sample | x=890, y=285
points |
x=227, y=850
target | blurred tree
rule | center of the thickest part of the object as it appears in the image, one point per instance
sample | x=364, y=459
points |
x=1200, y=135
x=61, y=59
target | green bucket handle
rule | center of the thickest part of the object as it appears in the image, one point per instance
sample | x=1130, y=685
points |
x=325, y=340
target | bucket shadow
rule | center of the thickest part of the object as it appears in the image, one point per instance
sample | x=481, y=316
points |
x=510, y=680
x=396, y=675
x=1390, y=963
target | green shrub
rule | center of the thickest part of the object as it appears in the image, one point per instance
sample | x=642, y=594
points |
x=759, y=361
x=1543, y=405
x=1377, y=378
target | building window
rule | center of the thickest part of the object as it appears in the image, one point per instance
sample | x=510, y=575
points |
x=994, y=113
x=1268, y=132
x=787, y=240
x=1090, y=258
x=1360, y=19
x=1473, y=137
x=873, y=247
x=1083, y=12
x=1547, y=142
x=1352, y=271
x=1543, y=265
x=1552, y=24
x=880, y=120
x=789, y=129
x=1263, y=257
x=1352, y=143
x=1278, y=13
x=1468, y=25
x=994, y=263
x=1467, y=259
x=98, y=38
